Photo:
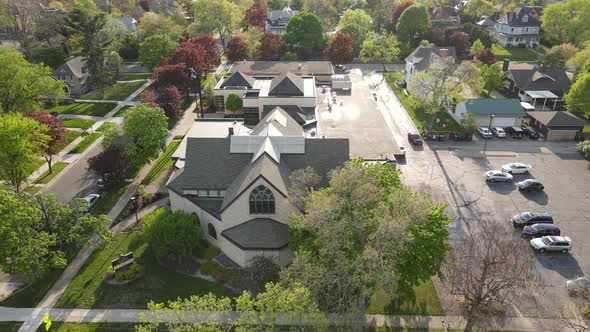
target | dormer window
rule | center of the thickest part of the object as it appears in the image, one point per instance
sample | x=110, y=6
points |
x=525, y=18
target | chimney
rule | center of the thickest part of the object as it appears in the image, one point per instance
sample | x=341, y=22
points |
x=505, y=65
x=230, y=131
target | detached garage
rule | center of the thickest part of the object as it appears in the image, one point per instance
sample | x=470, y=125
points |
x=557, y=125
x=505, y=112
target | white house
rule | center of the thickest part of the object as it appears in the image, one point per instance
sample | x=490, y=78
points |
x=237, y=182
x=277, y=20
x=424, y=56
x=520, y=27
x=506, y=112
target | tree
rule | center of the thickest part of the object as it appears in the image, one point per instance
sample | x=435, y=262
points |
x=112, y=165
x=169, y=99
x=479, y=8
x=397, y=13
x=21, y=17
x=22, y=141
x=220, y=16
x=272, y=47
x=380, y=48
x=492, y=77
x=327, y=11
x=350, y=223
x=260, y=313
x=578, y=98
x=171, y=74
x=172, y=233
x=211, y=48
x=461, y=41
x=437, y=88
x=305, y=30
x=277, y=4
x=252, y=278
x=154, y=49
x=584, y=148
x=233, y=102
x=146, y=127
x=296, y=4
x=339, y=51
x=252, y=37
x=49, y=56
x=302, y=182
x=488, y=268
x=476, y=47
x=152, y=24
x=37, y=237
x=486, y=57
x=358, y=24
x=475, y=33
x=413, y=24
x=554, y=59
x=256, y=15
x=379, y=10
x=470, y=123
x=55, y=131
x=196, y=60
x=438, y=36
x=582, y=57
x=237, y=49
x=22, y=84
x=567, y=21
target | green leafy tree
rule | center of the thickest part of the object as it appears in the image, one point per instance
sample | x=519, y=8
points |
x=577, y=99
x=379, y=11
x=554, y=60
x=358, y=24
x=305, y=30
x=476, y=47
x=577, y=62
x=413, y=24
x=38, y=236
x=381, y=48
x=154, y=49
x=567, y=21
x=146, y=128
x=492, y=77
x=277, y=4
x=326, y=10
x=233, y=102
x=470, y=123
x=153, y=24
x=367, y=220
x=49, y=56
x=22, y=141
x=584, y=148
x=479, y=8
x=23, y=84
x=220, y=16
x=172, y=233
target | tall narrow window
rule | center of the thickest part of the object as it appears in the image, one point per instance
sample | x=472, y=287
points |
x=262, y=200
x=211, y=231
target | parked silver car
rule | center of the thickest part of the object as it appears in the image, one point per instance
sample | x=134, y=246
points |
x=497, y=176
x=562, y=244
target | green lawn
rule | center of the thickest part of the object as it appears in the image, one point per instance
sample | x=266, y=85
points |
x=78, y=123
x=516, y=53
x=98, y=109
x=87, y=289
x=10, y=326
x=106, y=126
x=123, y=111
x=420, y=117
x=163, y=163
x=108, y=199
x=32, y=189
x=118, y=91
x=46, y=176
x=86, y=142
x=29, y=296
x=426, y=302
x=71, y=135
x=133, y=76
x=38, y=164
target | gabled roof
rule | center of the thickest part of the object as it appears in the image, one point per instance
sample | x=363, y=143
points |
x=277, y=122
x=538, y=78
x=73, y=67
x=300, y=114
x=239, y=79
x=423, y=56
x=557, y=119
x=523, y=16
x=284, y=14
x=259, y=233
x=486, y=22
x=495, y=106
x=286, y=84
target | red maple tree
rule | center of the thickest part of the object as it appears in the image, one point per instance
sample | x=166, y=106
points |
x=486, y=56
x=397, y=12
x=438, y=36
x=211, y=47
x=461, y=42
x=237, y=49
x=340, y=49
x=149, y=97
x=272, y=47
x=169, y=100
x=56, y=133
x=171, y=74
x=194, y=58
x=256, y=15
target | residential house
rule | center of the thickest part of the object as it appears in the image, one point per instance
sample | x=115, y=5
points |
x=505, y=112
x=424, y=56
x=237, y=182
x=74, y=74
x=277, y=19
x=322, y=71
x=557, y=125
x=519, y=28
x=129, y=22
x=486, y=23
x=446, y=14
x=544, y=88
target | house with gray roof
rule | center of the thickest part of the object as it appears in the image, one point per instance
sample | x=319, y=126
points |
x=503, y=112
x=424, y=56
x=277, y=19
x=520, y=27
x=238, y=183
x=74, y=74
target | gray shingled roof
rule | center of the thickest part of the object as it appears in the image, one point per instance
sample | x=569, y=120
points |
x=516, y=18
x=300, y=114
x=557, y=119
x=292, y=127
x=239, y=79
x=540, y=79
x=72, y=67
x=259, y=233
x=275, y=68
x=284, y=14
x=286, y=84
x=423, y=55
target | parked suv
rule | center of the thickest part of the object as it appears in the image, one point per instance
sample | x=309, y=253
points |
x=415, y=139
x=562, y=244
x=539, y=230
x=514, y=132
x=530, y=218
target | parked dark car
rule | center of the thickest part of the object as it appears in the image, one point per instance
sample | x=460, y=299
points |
x=530, y=185
x=514, y=132
x=530, y=133
x=401, y=84
x=539, y=230
x=531, y=218
x=415, y=139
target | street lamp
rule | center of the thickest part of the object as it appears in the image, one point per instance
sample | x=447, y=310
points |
x=135, y=200
x=490, y=128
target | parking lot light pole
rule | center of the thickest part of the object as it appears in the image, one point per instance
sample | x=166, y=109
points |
x=135, y=200
x=490, y=128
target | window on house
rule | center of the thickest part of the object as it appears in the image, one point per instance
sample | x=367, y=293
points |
x=211, y=231
x=262, y=200
x=512, y=30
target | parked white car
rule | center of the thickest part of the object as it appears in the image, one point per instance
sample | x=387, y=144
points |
x=485, y=132
x=578, y=285
x=562, y=244
x=516, y=168
x=497, y=176
x=91, y=201
x=498, y=132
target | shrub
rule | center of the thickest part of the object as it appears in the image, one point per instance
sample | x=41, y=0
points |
x=172, y=233
x=584, y=148
x=208, y=268
x=131, y=273
x=217, y=271
x=110, y=274
x=233, y=102
x=211, y=253
x=256, y=275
